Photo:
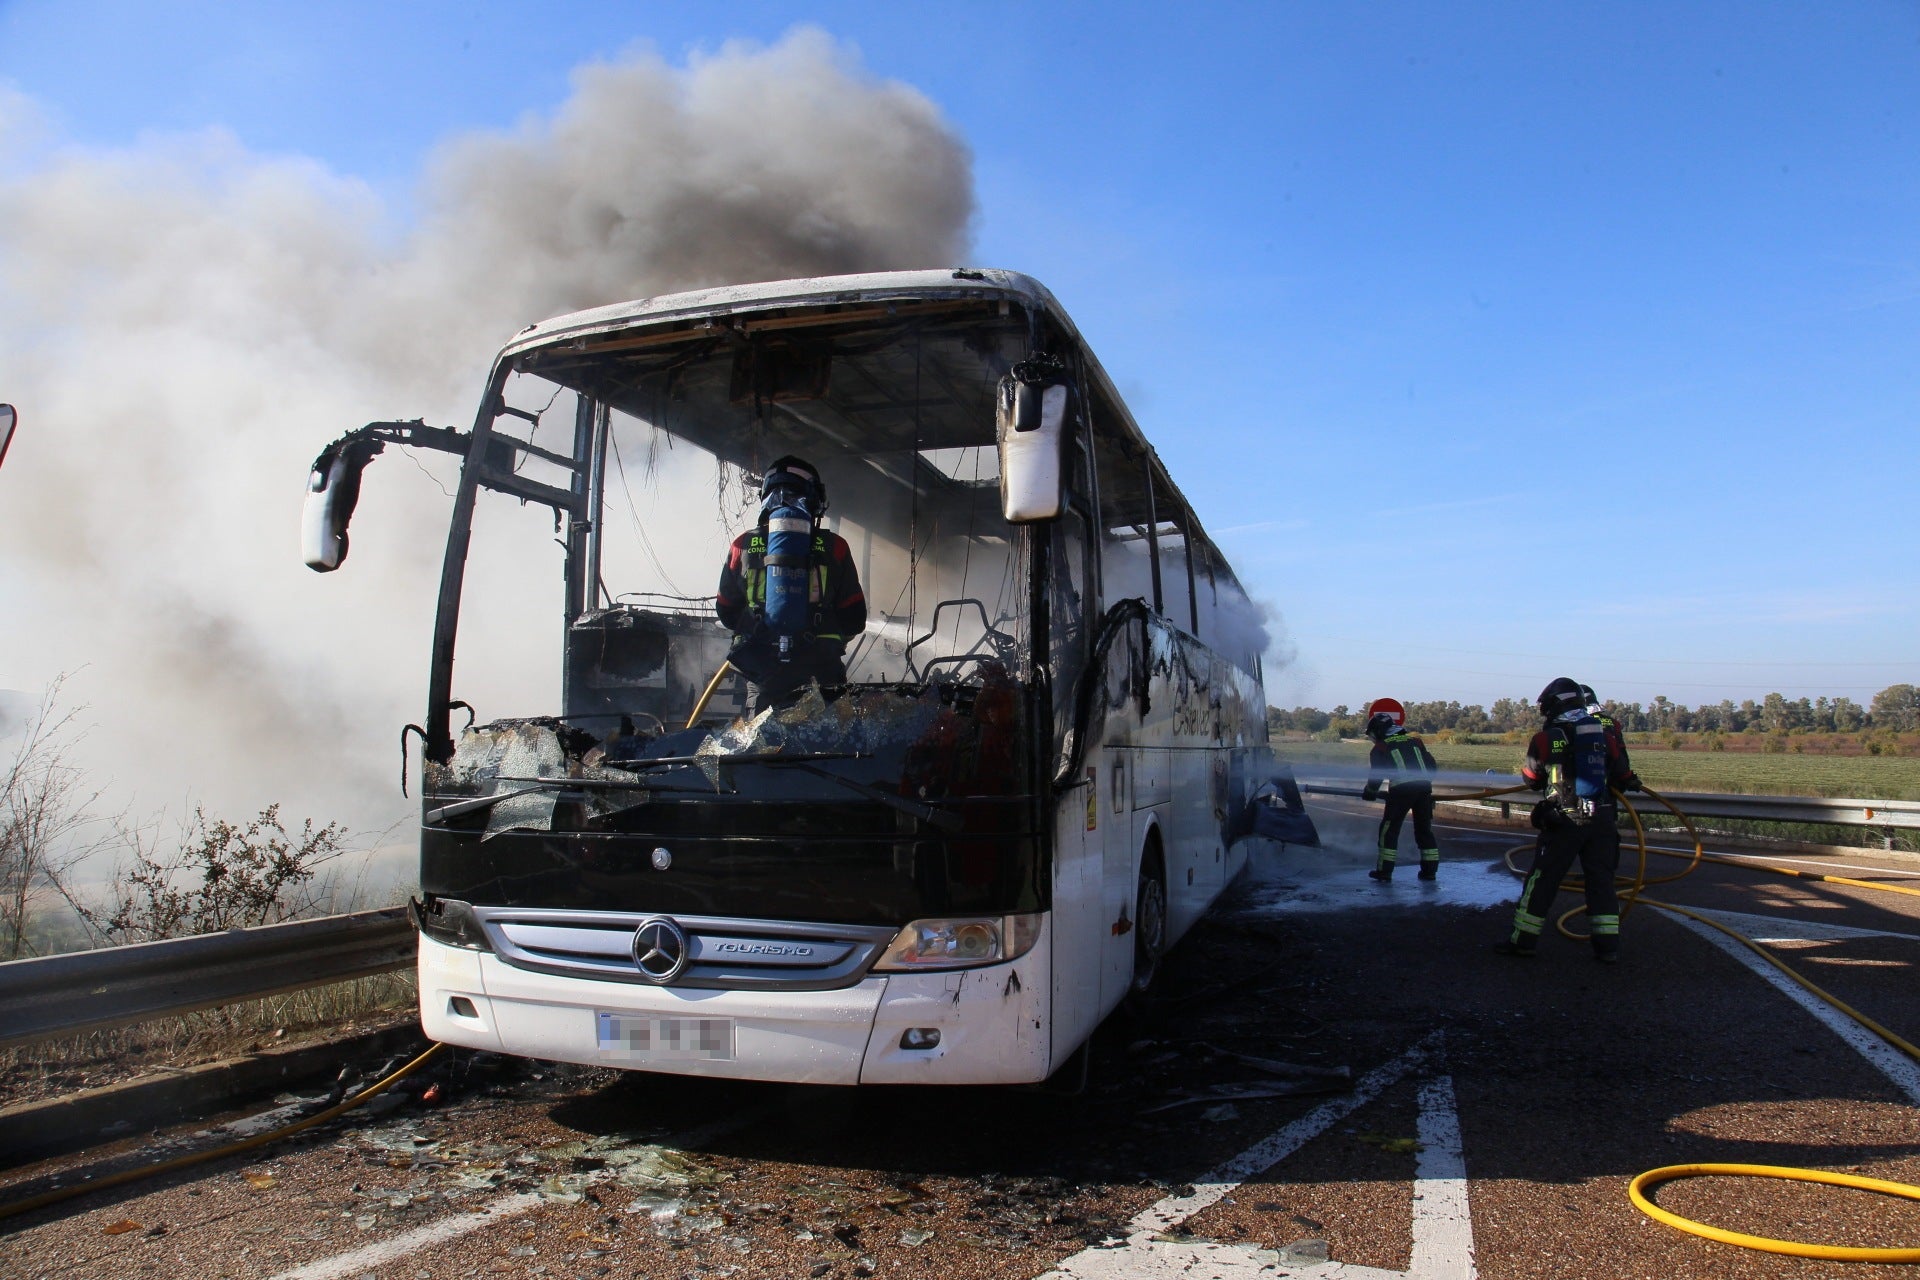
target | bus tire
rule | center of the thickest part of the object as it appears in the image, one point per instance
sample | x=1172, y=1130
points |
x=1149, y=921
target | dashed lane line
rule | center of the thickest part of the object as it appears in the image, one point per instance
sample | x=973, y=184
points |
x=1442, y=1225
x=358, y=1262
x=1765, y=928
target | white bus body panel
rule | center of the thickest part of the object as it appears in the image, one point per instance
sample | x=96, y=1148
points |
x=1079, y=919
x=992, y=1021
x=445, y=974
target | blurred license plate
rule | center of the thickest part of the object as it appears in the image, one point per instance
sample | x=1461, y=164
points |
x=637, y=1039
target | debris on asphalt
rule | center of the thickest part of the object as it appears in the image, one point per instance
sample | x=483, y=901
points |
x=1302, y=1252
x=1388, y=1143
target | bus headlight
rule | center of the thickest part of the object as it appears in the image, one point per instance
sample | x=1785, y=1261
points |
x=449, y=921
x=960, y=942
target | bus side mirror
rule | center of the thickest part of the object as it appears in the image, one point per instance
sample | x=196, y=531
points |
x=7, y=420
x=1032, y=430
x=333, y=489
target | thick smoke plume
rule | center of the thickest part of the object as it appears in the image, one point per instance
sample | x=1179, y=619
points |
x=184, y=323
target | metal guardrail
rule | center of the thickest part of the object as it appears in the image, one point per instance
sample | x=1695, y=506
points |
x=1880, y=814
x=1841, y=812
x=63, y=995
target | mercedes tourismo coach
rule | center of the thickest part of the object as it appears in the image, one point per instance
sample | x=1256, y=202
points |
x=946, y=870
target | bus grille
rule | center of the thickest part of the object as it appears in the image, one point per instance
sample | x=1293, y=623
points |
x=722, y=954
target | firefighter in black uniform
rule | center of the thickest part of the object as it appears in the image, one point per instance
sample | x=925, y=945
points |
x=1579, y=763
x=1607, y=722
x=778, y=665
x=1398, y=759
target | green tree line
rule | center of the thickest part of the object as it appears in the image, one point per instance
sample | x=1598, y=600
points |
x=1895, y=709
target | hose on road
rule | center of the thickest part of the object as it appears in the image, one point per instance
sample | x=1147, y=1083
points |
x=125, y=1176
x=1636, y=1192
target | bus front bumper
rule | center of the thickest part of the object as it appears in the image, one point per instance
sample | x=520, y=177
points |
x=991, y=1023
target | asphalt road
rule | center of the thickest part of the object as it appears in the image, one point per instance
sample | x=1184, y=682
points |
x=1336, y=1078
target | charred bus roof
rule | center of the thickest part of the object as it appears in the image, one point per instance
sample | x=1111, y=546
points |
x=826, y=297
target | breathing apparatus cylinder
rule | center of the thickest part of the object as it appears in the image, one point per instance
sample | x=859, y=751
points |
x=789, y=545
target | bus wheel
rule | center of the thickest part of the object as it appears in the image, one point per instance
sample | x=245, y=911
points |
x=1149, y=924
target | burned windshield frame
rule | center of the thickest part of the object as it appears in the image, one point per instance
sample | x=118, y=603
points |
x=901, y=423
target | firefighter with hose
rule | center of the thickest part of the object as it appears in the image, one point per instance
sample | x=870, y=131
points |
x=1579, y=763
x=1399, y=760
x=789, y=591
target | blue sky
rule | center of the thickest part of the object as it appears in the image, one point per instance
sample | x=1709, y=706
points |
x=1493, y=341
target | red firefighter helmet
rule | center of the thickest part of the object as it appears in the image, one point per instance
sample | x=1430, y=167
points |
x=1388, y=707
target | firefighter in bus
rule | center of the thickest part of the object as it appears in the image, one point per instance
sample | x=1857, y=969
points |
x=789, y=591
x=1399, y=760
x=1579, y=763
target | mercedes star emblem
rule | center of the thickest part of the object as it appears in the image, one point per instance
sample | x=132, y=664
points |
x=662, y=859
x=660, y=949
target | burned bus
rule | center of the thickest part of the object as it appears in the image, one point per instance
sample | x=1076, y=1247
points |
x=944, y=864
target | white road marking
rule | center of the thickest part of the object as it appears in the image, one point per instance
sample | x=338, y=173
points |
x=1442, y=1225
x=1763, y=928
x=1891, y=1063
x=357, y=1262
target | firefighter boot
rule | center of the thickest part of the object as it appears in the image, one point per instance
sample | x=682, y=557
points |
x=1517, y=944
x=1383, y=869
x=1429, y=863
x=1606, y=939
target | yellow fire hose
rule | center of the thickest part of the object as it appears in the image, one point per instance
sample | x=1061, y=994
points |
x=1789, y=871
x=707, y=693
x=1636, y=1192
x=233, y=1148
x=1632, y=894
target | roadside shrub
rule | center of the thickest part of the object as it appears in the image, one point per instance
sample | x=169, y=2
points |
x=219, y=876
